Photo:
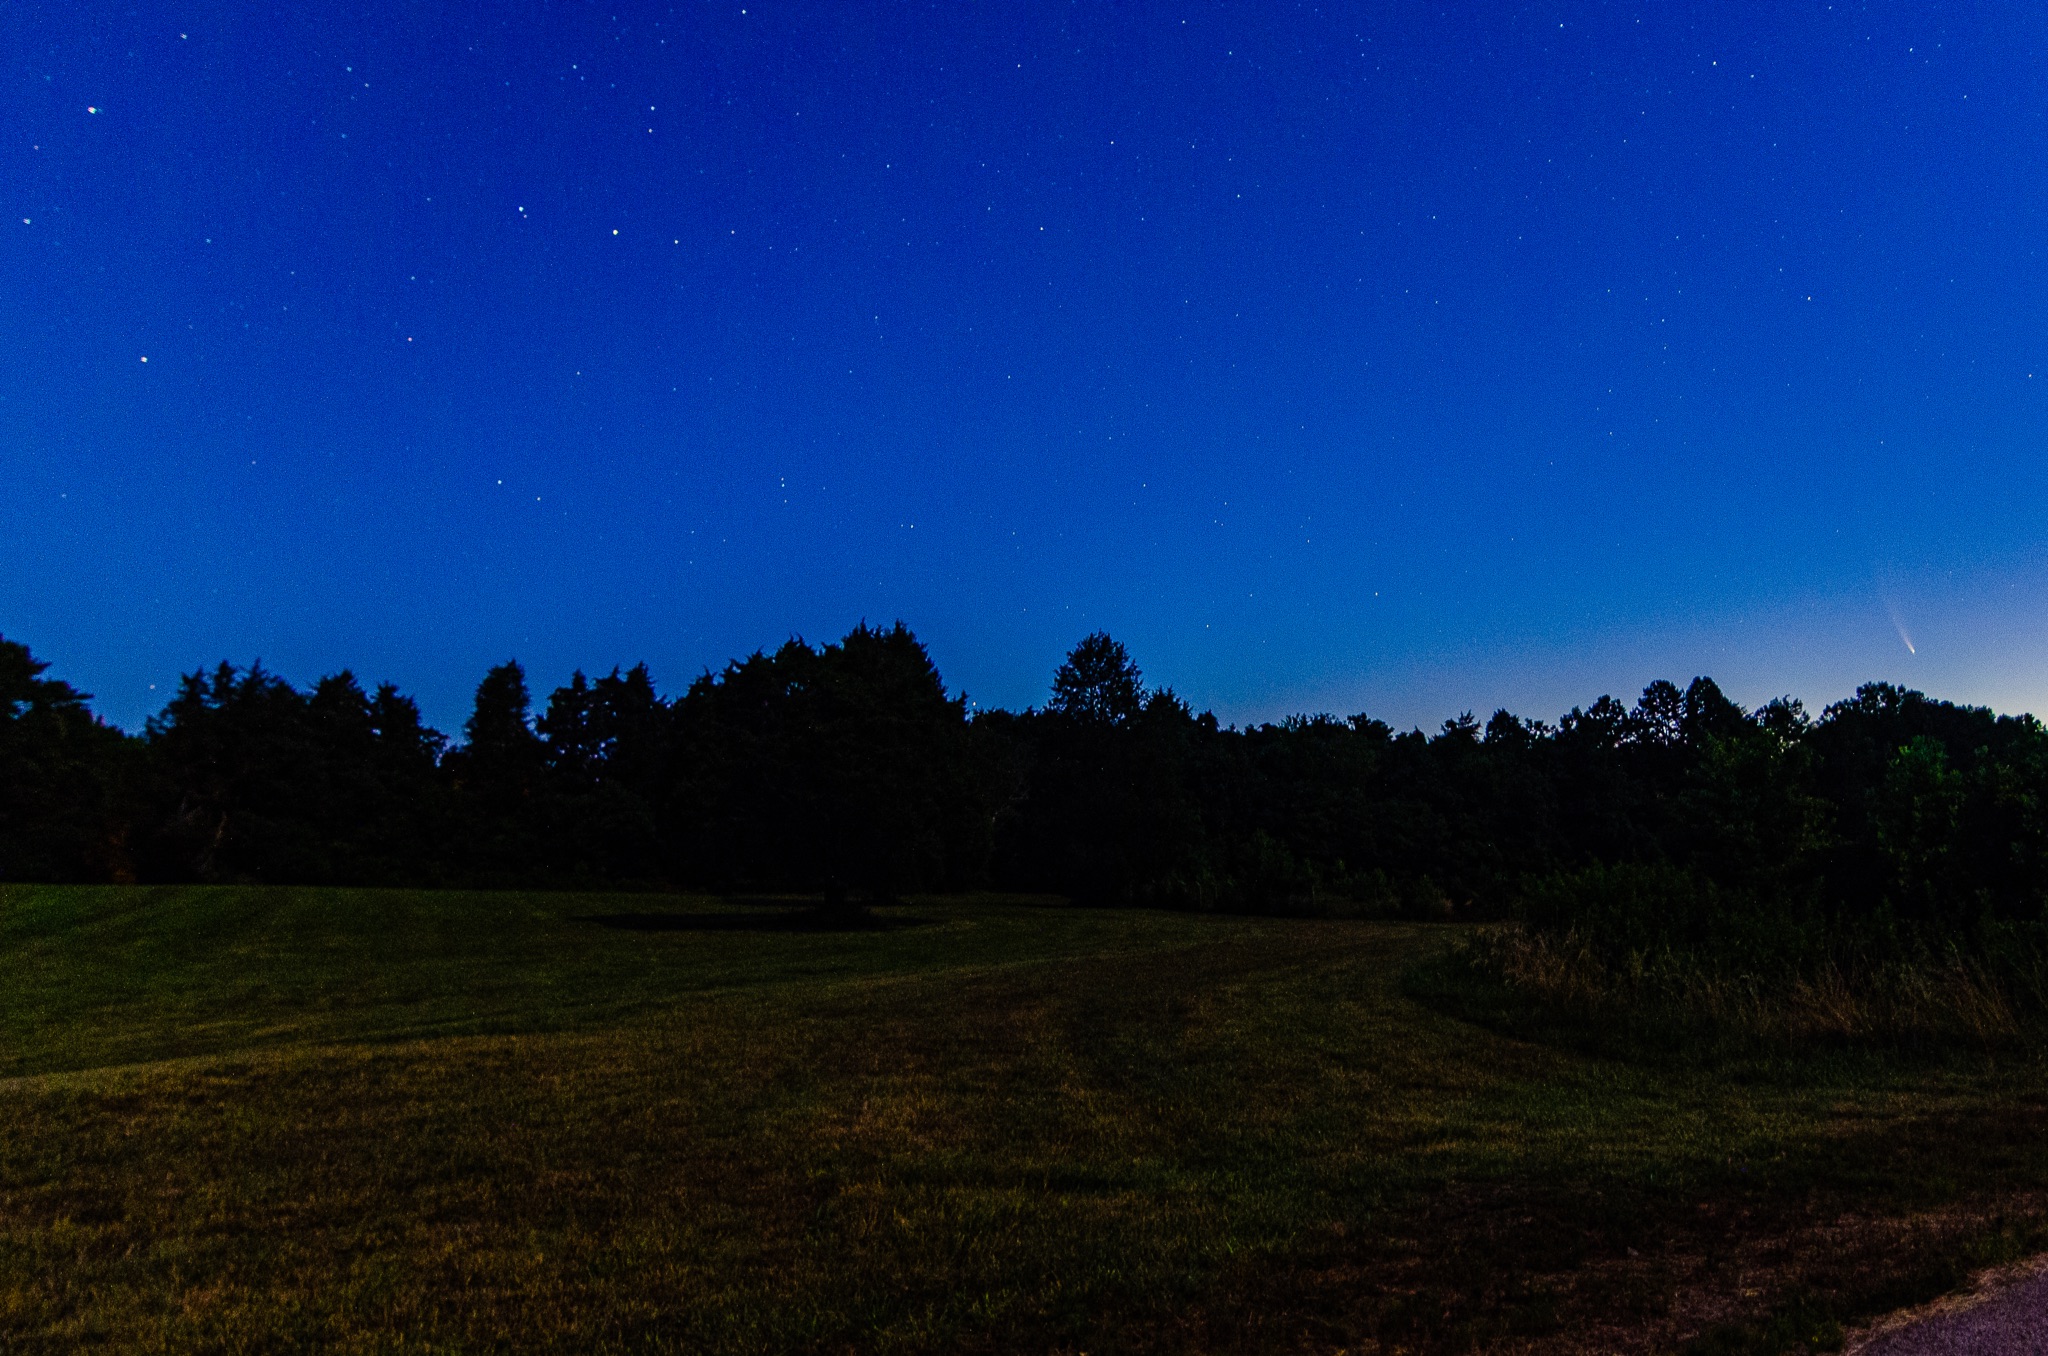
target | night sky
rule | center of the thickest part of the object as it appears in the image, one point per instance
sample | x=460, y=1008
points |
x=1394, y=357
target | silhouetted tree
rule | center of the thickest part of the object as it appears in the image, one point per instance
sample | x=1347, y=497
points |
x=573, y=745
x=843, y=768
x=239, y=757
x=1097, y=684
x=262, y=782
x=605, y=746
x=496, y=774
x=1891, y=824
x=1108, y=813
x=62, y=773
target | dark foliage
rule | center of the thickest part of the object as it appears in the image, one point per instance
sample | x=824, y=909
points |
x=1108, y=809
x=61, y=779
x=1681, y=823
x=257, y=781
x=836, y=769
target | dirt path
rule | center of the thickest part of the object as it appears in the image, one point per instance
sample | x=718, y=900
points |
x=2005, y=1314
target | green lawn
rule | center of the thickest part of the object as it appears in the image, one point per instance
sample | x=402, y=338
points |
x=280, y=1120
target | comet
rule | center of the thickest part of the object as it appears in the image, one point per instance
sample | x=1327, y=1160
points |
x=1899, y=623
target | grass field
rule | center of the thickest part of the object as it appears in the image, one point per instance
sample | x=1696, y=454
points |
x=282, y=1120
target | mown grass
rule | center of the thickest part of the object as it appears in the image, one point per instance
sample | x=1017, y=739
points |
x=282, y=1120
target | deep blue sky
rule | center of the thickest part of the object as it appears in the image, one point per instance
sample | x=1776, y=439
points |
x=1392, y=357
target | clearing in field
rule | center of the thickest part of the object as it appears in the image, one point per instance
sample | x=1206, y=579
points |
x=280, y=1119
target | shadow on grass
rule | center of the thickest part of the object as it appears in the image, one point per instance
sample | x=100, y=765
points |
x=815, y=918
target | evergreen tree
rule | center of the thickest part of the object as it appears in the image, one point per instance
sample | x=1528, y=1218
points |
x=62, y=774
x=605, y=751
x=496, y=775
x=240, y=765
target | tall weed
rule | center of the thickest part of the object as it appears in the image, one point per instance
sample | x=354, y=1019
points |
x=1665, y=995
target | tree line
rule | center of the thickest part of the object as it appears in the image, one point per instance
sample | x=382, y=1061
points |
x=848, y=769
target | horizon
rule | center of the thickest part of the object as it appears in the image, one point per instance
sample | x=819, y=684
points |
x=450, y=722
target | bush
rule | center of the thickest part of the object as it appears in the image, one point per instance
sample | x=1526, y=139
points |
x=1635, y=910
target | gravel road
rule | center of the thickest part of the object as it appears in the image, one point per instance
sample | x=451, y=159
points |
x=2011, y=1322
